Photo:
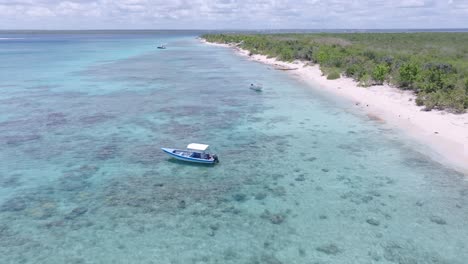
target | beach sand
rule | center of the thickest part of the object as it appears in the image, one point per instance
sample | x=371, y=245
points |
x=443, y=135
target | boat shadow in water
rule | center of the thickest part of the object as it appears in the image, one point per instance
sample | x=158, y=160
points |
x=193, y=164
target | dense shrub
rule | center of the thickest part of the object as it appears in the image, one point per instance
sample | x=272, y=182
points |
x=352, y=71
x=380, y=73
x=437, y=77
x=419, y=100
x=365, y=80
x=408, y=74
x=334, y=75
x=286, y=54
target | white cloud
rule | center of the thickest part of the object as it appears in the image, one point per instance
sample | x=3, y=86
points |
x=68, y=8
x=231, y=13
x=38, y=11
x=412, y=3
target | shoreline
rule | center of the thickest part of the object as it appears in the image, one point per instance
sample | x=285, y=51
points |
x=443, y=134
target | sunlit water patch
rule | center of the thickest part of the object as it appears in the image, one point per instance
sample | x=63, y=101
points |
x=301, y=180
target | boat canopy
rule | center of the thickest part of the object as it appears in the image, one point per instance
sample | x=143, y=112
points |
x=196, y=146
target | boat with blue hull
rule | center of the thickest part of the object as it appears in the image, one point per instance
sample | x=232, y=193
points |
x=194, y=153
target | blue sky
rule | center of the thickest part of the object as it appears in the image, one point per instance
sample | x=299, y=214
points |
x=231, y=14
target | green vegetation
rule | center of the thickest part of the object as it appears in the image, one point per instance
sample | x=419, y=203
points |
x=332, y=74
x=433, y=65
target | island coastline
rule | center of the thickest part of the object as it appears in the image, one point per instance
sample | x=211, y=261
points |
x=444, y=135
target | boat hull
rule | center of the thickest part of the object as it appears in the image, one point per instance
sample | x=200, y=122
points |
x=257, y=88
x=171, y=153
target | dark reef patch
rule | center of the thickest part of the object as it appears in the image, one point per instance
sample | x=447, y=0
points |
x=149, y=193
x=408, y=253
x=260, y=196
x=329, y=249
x=276, y=191
x=72, y=185
x=239, y=197
x=373, y=221
x=107, y=152
x=146, y=154
x=188, y=110
x=19, y=139
x=81, y=173
x=14, y=204
x=182, y=130
x=56, y=119
x=75, y=180
x=438, y=220
x=95, y=119
x=274, y=218
x=11, y=181
x=75, y=213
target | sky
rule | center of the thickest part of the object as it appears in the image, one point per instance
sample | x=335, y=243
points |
x=232, y=14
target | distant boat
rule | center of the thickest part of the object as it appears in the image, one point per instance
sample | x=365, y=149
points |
x=194, y=153
x=162, y=47
x=256, y=87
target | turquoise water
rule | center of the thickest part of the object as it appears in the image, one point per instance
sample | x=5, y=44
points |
x=301, y=179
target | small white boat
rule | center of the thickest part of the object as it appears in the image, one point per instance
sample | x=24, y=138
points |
x=162, y=47
x=256, y=87
x=194, y=153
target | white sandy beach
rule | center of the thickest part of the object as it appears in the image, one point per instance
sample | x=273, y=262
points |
x=444, y=135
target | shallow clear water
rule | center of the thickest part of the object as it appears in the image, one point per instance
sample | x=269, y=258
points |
x=301, y=180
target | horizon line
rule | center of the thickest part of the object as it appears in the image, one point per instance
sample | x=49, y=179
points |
x=233, y=29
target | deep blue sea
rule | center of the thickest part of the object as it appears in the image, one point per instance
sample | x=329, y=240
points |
x=302, y=178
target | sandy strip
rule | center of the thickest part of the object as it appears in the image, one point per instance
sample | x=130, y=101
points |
x=444, y=135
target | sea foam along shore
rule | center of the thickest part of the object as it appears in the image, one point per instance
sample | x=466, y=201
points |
x=443, y=135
